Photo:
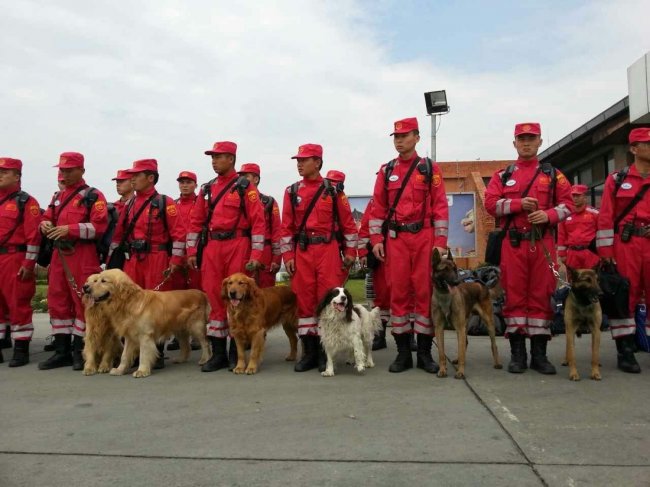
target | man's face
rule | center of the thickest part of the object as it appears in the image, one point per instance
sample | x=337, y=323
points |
x=8, y=178
x=142, y=181
x=308, y=167
x=222, y=163
x=253, y=178
x=579, y=200
x=72, y=175
x=641, y=151
x=123, y=186
x=186, y=186
x=527, y=145
x=405, y=143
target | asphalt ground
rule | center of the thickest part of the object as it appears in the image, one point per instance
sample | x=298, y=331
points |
x=182, y=427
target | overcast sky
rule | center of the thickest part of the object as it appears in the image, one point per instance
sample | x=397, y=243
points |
x=120, y=81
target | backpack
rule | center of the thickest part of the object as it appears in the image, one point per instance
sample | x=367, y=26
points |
x=102, y=244
x=425, y=167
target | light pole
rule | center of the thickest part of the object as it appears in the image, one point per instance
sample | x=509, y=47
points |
x=436, y=102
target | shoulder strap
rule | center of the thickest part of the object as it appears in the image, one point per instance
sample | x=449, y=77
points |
x=523, y=195
x=393, y=207
x=212, y=204
x=310, y=208
x=55, y=214
x=389, y=170
x=160, y=203
x=132, y=223
x=630, y=206
x=619, y=178
x=505, y=176
x=21, y=201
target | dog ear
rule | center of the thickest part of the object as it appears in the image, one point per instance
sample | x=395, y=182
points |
x=253, y=288
x=435, y=259
x=325, y=302
x=450, y=257
x=224, y=288
x=572, y=273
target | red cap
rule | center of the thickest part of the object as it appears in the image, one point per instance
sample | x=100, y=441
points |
x=9, y=163
x=309, y=150
x=250, y=167
x=143, y=165
x=336, y=176
x=528, y=128
x=405, y=126
x=224, y=147
x=68, y=160
x=579, y=189
x=122, y=174
x=640, y=135
x=186, y=175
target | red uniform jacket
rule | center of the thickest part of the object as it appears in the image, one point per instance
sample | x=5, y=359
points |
x=273, y=227
x=320, y=221
x=119, y=205
x=227, y=213
x=577, y=229
x=150, y=225
x=364, y=231
x=184, y=205
x=420, y=202
x=84, y=224
x=13, y=232
x=505, y=200
x=613, y=204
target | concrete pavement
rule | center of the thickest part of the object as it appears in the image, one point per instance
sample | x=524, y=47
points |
x=181, y=427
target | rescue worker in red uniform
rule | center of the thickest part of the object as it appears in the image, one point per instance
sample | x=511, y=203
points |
x=627, y=242
x=337, y=179
x=379, y=282
x=525, y=273
x=229, y=219
x=19, y=244
x=415, y=226
x=271, y=257
x=576, y=233
x=75, y=219
x=156, y=245
x=309, y=247
x=124, y=188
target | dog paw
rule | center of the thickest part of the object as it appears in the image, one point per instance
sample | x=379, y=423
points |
x=203, y=361
x=251, y=370
x=565, y=363
x=141, y=373
x=116, y=371
x=370, y=365
x=596, y=376
x=290, y=358
x=90, y=371
x=239, y=370
x=574, y=377
x=498, y=366
x=360, y=369
x=327, y=373
x=104, y=369
x=459, y=375
x=442, y=373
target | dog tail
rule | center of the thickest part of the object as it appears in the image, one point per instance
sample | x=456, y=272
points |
x=375, y=319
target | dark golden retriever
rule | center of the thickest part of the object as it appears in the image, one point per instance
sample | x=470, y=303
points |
x=102, y=345
x=253, y=311
x=144, y=318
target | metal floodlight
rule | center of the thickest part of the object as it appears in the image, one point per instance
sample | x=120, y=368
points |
x=436, y=102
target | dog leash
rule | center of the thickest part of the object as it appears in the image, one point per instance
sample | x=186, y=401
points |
x=167, y=276
x=68, y=273
x=549, y=259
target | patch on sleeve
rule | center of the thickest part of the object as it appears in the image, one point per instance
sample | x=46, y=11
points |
x=171, y=210
x=100, y=205
x=344, y=200
x=276, y=210
x=561, y=179
x=436, y=180
x=34, y=210
x=252, y=196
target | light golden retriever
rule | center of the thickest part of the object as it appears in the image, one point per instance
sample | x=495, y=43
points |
x=252, y=311
x=102, y=345
x=144, y=318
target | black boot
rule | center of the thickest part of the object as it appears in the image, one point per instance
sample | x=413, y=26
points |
x=538, y=359
x=309, y=358
x=21, y=354
x=518, y=360
x=2, y=359
x=62, y=353
x=219, y=359
x=625, y=359
x=404, y=359
x=6, y=341
x=160, y=361
x=77, y=353
x=412, y=344
x=174, y=345
x=232, y=355
x=49, y=346
x=379, y=341
x=424, y=359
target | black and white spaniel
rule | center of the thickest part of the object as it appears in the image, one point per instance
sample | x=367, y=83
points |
x=346, y=329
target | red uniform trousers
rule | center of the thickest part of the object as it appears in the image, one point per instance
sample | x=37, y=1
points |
x=632, y=261
x=581, y=259
x=381, y=288
x=15, y=298
x=266, y=278
x=409, y=273
x=221, y=258
x=317, y=271
x=65, y=308
x=528, y=283
x=186, y=278
x=146, y=269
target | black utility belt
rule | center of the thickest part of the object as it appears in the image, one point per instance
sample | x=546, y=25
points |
x=578, y=247
x=629, y=230
x=414, y=227
x=312, y=239
x=142, y=246
x=13, y=249
x=515, y=236
x=69, y=244
x=229, y=235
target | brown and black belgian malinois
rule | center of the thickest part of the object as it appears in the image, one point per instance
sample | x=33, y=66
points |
x=582, y=314
x=453, y=302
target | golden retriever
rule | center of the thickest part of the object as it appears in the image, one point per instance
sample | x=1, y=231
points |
x=144, y=318
x=102, y=345
x=252, y=311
